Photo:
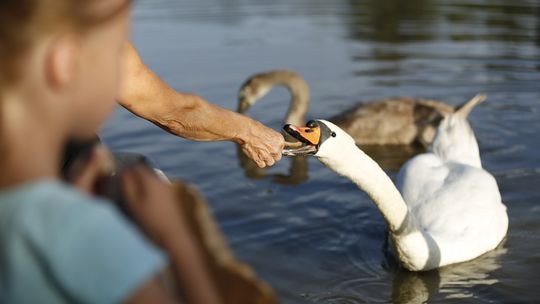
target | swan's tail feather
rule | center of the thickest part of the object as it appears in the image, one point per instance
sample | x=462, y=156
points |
x=463, y=110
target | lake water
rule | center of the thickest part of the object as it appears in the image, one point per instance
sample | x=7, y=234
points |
x=320, y=240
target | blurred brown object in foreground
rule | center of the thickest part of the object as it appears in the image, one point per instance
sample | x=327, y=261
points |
x=236, y=282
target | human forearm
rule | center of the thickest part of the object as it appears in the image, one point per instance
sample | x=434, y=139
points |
x=185, y=115
x=192, y=117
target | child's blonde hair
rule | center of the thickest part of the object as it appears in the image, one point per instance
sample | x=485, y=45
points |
x=23, y=21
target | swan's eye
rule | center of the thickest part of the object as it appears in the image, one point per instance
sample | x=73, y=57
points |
x=333, y=134
x=311, y=124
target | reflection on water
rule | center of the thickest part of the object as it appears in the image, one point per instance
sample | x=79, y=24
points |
x=457, y=282
x=454, y=282
x=318, y=239
x=391, y=21
x=297, y=172
x=389, y=157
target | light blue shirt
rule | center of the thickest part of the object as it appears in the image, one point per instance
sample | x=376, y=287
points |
x=59, y=245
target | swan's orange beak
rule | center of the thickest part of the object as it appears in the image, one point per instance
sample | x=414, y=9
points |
x=309, y=138
x=307, y=135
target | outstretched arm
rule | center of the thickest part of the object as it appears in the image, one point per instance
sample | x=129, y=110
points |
x=190, y=116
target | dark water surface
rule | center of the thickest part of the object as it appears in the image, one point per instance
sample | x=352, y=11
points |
x=320, y=241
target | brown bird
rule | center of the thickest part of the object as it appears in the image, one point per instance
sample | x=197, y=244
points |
x=393, y=121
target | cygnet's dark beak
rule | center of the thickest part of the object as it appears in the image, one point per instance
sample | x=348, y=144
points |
x=243, y=104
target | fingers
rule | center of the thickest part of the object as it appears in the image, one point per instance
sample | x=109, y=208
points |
x=265, y=156
x=138, y=182
x=265, y=146
x=132, y=187
x=269, y=160
x=277, y=154
x=261, y=157
x=256, y=157
x=293, y=145
x=278, y=147
x=140, y=188
x=97, y=166
x=266, y=160
x=273, y=154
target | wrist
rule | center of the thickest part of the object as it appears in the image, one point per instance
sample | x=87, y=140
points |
x=245, y=133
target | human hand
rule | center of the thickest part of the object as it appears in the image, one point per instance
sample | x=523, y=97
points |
x=152, y=204
x=263, y=145
x=86, y=171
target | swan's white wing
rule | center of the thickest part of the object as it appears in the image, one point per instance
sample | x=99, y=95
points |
x=419, y=177
x=459, y=205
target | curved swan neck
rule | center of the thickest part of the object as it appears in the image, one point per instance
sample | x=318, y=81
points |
x=299, y=91
x=354, y=164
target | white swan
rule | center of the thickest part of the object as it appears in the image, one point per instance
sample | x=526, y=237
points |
x=449, y=209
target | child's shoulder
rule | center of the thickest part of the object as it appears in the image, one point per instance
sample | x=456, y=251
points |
x=50, y=201
x=51, y=214
x=67, y=233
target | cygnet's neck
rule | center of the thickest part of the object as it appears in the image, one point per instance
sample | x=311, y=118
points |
x=299, y=91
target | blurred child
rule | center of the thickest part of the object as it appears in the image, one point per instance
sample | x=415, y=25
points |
x=59, y=73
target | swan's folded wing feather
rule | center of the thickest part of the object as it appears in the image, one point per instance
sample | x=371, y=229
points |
x=420, y=177
x=456, y=203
